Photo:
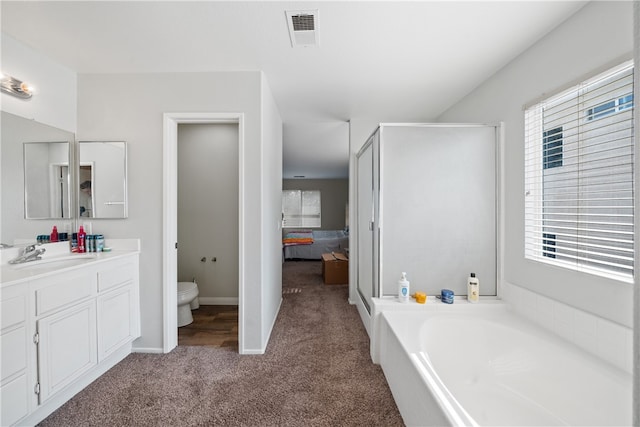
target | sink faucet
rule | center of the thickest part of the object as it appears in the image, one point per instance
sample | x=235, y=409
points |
x=30, y=253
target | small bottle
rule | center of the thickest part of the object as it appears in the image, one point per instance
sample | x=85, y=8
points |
x=81, y=240
x=473, y=288
x=74, y=242
x=403, y=288
x=54, y=234
x=99, y=242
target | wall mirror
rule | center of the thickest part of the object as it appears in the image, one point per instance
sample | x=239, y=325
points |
x=102, y=179
x=46, y=180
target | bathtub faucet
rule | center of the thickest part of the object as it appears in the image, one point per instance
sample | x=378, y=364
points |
x=30, y=253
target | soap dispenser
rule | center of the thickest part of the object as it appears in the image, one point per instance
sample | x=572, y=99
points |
x=403, y=288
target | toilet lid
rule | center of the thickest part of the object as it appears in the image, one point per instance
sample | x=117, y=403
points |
x=187, y=286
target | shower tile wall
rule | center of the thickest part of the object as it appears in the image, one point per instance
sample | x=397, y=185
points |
x=603, y=338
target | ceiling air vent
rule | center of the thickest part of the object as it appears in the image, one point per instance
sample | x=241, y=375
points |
x=303, y=27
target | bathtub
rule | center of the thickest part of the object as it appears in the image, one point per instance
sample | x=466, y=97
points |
x=480, y=364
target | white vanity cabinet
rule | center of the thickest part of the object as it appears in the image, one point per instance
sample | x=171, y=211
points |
x=62, y=330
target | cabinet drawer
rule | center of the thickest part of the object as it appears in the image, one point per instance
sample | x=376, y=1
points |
x=64, y=290
x=13, y=311
x=13, y=347
x=116, y=275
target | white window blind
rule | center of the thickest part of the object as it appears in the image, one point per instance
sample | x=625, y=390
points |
x=579, y=195
x=301, y=208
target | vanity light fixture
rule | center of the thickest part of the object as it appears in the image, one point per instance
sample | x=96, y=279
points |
x=15, y=87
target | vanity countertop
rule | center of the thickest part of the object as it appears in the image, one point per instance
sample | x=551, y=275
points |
x=57, y=259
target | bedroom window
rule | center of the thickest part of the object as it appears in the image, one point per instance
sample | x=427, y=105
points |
x=579, y=195
x=301, y=208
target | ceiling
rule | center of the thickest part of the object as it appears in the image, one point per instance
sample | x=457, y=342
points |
x=381, y=60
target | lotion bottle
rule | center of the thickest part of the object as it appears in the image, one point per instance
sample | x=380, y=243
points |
x=473, y=288
x=403, y=288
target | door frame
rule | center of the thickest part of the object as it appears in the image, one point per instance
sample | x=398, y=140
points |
x=170, y=219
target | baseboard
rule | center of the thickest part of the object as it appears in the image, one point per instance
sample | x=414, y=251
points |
x=218, y=300
x=252, y=352
x=147, y=350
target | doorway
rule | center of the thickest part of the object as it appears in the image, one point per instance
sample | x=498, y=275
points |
x=208, y=230
x=170, y=218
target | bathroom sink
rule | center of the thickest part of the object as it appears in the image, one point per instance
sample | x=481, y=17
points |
x=56, y=262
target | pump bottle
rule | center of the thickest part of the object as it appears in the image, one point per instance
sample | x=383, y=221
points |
x=473, y=288
x=403, y=288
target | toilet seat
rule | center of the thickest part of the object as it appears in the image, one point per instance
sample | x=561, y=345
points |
x=184, y=287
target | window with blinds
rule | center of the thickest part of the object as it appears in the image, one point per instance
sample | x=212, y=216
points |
x=579, y=193
x=301, y=208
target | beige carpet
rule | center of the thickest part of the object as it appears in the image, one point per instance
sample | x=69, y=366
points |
x=316, y=372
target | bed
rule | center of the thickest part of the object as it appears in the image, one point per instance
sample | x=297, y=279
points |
x=309, y=244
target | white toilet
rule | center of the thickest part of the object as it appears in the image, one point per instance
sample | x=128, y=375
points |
x=187, y=301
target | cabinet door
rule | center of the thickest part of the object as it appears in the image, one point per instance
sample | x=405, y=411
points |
x=15, y=392
x=67, y=347
x=15, y=400
x=116, y=320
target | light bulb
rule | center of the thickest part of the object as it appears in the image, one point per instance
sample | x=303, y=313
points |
x=26, y=87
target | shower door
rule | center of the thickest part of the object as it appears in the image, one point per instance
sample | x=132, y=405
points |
x=366, y=273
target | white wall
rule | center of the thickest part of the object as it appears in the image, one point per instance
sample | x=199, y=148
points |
x=270, y=295
x=598, y=35
x=108, y=109
x=54, y=102
x=208, y=194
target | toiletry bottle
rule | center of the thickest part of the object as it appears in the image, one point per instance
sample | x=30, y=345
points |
x=473, y=288
x=99, y=242
x=54, y=234
x=81, y=240
x=403, y=288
